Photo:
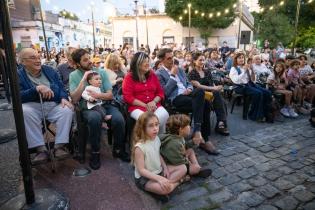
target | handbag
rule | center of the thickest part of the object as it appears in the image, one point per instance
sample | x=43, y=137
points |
x=208, y=96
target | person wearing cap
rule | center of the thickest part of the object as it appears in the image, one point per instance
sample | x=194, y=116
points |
x=96, y=62
x=243, y=77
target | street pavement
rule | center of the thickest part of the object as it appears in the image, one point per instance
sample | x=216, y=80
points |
x=270, y=168
x=261, y=166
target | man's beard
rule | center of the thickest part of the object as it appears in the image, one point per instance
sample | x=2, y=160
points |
x=87, y=67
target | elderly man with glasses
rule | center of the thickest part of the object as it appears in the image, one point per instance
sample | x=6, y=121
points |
x=39, y=80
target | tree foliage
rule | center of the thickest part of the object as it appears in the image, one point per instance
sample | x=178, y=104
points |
x=306, y=32
x=307, y=11
x=175, y=9
x=68, y=15
x=306, y=38
x=274, y=27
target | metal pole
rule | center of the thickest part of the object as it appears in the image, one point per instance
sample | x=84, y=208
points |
x=189, y=25
x=137, y=38
x=44, y=32
x=17, y=105
x=239, y=24
x=146, y=22
x=94, y=43
x=298, y=6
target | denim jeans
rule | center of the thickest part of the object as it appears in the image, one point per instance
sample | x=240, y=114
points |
x=260, y=100
x=94, y=122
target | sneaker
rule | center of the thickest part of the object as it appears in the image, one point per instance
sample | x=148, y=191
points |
x=204, y=173
x=95, y=162
x=292, y=113
x=41, y=157
x=61, y=153
x=285, y=112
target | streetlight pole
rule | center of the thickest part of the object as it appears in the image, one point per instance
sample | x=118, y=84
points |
x=298, y=6
x=93, y=25
x=189, y=25
x=44, y=32
x=146, y=22
x=239, y=24
x=137, y=36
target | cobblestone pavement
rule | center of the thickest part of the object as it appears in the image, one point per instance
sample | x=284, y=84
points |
x=269, y=166
x=272, y=168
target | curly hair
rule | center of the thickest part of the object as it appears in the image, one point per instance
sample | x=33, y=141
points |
x=139, y=132
x=175, y=122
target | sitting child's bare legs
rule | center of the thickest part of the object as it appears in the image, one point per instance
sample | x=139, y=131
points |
x=194, y=167
x=157, y=188
x=176, y=173
x=104, y=124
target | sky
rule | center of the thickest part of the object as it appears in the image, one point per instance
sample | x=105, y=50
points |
x=101, y=9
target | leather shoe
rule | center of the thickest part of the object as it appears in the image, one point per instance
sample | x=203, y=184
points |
x=213, y=152
x=95, y=162
x=124, y=156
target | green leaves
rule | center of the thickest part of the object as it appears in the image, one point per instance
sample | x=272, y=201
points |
x=278, y=25
x=205, y=24
x=306, y=38
x=274, y=27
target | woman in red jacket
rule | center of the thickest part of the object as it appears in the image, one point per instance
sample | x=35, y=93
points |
x=142, y=90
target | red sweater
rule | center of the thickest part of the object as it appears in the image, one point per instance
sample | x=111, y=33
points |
x=143, y=91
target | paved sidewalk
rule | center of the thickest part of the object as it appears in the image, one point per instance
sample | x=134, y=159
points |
x=272, y=168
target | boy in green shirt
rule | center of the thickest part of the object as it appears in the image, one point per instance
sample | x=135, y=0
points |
x=175, y=150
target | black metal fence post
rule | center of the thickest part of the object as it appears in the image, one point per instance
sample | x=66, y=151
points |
x=17, y=106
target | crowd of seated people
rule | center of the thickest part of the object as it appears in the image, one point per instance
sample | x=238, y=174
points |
x=152, y=87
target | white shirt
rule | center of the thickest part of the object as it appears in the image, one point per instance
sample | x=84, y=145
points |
x=180, y=85
x=261, y=72
x=238, y=79
x=151, y=152
x=86, y=96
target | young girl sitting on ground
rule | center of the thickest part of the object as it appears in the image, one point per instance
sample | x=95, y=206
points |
x=278, y=83
x=176, y=151
x=94, y=80
x=151, y=173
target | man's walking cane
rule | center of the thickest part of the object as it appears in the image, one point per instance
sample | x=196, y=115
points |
x=51, y=155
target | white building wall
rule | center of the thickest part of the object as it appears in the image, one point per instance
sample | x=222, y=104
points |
x=162, y=25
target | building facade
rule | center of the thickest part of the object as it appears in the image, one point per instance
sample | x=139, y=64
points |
x=156, y=29
x=27, y=29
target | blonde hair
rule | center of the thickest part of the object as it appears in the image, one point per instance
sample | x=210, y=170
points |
x=139, y=132
x=111, y=61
